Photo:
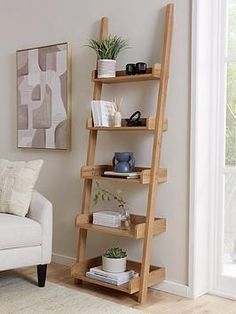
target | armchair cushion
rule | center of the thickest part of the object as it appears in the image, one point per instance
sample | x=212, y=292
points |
x=17, y=180
x=18, y=232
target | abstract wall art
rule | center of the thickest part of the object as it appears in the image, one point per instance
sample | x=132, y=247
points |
x=43, y=97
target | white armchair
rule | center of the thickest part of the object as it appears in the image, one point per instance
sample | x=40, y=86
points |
x=27, y=241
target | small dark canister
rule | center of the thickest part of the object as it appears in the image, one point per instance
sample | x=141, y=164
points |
x=141, y=68
x=130, y=69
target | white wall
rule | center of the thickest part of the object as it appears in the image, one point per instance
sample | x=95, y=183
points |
x=28, y=23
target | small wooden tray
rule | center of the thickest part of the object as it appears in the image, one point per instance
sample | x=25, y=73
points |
x=153, y=73
x=149, y=125
x=96, y=173
x=156, y=275
x=137, y=230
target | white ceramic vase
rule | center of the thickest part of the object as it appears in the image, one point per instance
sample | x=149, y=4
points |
x=114, y=265
x=106, y=68
x=117, y=119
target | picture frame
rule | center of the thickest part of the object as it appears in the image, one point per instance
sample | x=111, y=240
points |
x=44, y=97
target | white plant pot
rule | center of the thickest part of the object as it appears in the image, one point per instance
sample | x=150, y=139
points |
x=114, y=265
x=106, y=68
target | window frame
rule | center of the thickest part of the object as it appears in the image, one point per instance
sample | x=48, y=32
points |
x=221, y=284
x=207, y=138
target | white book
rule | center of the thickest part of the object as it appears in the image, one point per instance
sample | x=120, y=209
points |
x=99, y=112
x=97, y=277
x=95, y=114
x=128, y=175
x=103, y=112
x=111, y=224
x=117, y=276
x=107, y=213
x=116, y=282
x=107, y=218
x=107, y=113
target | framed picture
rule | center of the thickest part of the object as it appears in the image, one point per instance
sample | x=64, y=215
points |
x=44, y=97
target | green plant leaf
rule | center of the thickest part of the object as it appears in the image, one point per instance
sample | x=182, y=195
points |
x=115, y=253
x=108, y=48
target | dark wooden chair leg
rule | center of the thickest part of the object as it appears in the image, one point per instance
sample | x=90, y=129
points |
x=41, y=271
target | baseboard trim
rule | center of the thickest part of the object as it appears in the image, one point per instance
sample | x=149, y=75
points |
x=223, y=294
x=62, y=259
x=173, y=288
x=166, y=286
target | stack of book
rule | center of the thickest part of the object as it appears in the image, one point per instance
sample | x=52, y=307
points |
x=124, y=175
x=107, y=218
x=112, y=278
x=103, y=113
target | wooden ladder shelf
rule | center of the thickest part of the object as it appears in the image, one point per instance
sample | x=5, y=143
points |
x=142, y=227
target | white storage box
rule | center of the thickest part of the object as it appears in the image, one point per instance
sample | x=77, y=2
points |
x=107, y=218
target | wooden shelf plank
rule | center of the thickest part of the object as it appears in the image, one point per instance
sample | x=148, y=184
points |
x=123, y=288
x=150, y=126
x=137, y=230
x=95, y=172
x=153, y=73
x=156, y=275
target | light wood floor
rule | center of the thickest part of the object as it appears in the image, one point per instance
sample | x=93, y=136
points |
x=157, y=303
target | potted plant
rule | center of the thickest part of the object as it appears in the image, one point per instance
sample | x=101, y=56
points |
x=107, y=51
x=102, y=194
x=114, y=260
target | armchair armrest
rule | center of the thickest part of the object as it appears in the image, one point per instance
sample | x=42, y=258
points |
x=41, y=211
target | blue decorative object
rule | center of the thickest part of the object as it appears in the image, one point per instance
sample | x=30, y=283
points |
x=125, y=162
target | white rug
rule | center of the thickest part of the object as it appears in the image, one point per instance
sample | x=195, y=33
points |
x=19, y=295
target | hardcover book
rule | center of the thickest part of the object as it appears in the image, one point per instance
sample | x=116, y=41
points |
x=103, y=113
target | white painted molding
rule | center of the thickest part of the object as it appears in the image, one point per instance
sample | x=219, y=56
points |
x=62, y=259
x=165, y=286
x=173, y=288
x=200, y=163
x=223, y=294
x=220, y=284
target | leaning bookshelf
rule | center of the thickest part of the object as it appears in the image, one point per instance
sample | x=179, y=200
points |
x=142, y=227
